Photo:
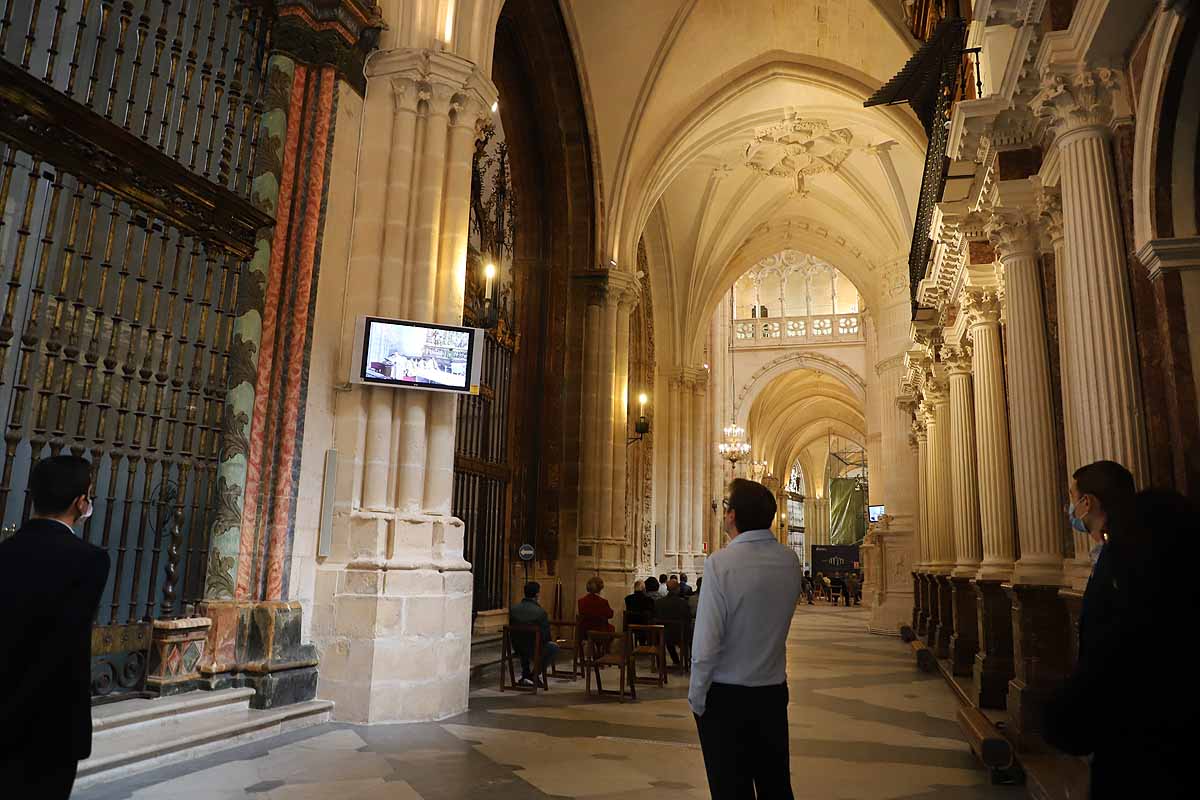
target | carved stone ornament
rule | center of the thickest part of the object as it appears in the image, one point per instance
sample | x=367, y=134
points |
x=982, y=306
x=1011, y=234
x=797, y=149
x=1050, y=210
x=1078, y=100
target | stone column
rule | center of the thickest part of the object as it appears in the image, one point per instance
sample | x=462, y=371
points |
x=1039, y=514
x=675, y=431
x=699, y=463
x=604, y=419
x=993, y=665
x=1077, y=564
x=968, y=544
x=941, y=538
x=393, y=600
x=922, y=615
x=589, y=451
x=627, y=299
x=687, y=471
x=1038, y=615
x=1097, y=314
x=810, y=530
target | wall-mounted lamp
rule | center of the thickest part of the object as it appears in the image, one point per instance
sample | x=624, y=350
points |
x=642, y=426
x=491, y=308
x=495, y=106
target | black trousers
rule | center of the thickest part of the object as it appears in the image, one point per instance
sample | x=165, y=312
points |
x=31, y=774
x=744, y=736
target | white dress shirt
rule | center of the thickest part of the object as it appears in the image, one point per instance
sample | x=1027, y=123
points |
x=746, y=606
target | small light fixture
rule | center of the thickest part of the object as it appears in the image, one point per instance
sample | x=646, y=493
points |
x=612, y=262
x=642, y=426
x=495, y=105
x=491, y=308
x=706, y=366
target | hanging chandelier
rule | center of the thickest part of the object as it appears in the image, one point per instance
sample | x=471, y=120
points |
x=734, y=447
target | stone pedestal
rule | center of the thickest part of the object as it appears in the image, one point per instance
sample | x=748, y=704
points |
x=893, y=600
x=258, y=644
x=994, y=661
x=926, y=620
x=176, y=647
x=1041, y=657
x=1073, y=601
x=965, y=642
x=945, y=605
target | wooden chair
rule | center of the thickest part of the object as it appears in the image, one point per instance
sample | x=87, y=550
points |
x=508, y=652
x=655, y=637
x=566, y=636
x=611, y=649
x=684, y=640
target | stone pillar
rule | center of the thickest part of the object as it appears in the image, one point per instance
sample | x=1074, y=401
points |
x=699, y=463
x=589, y=451
x=687, y=431
x=1039, y=514
x=1096, y=326
x=1038, y=616
x=605, y=411
x=675, y=431
x=941, y=534
x=992, y=439
x=1077, y=564
x=393, y=600
x=921, y=435
x=993, y=663
x=968, y=544
x=620, y=404
x=810, y=529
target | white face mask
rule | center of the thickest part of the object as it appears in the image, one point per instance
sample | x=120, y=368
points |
x=1095, y=552
x=90, y=508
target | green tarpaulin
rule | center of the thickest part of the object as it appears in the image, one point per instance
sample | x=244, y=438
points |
x=848, y=524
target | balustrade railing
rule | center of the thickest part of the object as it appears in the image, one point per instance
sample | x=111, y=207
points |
x=788, y=331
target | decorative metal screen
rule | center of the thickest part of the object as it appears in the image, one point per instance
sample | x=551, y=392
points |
x=127, y=134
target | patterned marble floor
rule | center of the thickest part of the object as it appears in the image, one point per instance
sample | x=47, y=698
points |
x=865, y=724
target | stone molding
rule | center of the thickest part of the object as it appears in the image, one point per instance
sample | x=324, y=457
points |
x=1162, y=255
x=445, y=82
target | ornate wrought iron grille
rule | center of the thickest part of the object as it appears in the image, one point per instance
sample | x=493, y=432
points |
x=127, y=135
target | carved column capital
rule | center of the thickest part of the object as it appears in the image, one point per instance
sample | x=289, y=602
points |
x=1011, y=234
x=957, y=358
x=982, y=306
x=442, y=83
x=1050, y=211
x=1078, y=99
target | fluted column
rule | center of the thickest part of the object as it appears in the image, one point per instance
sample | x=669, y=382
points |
x=626, y=300
x=675, y=428
x=937, y=422
x=1078, y=565
x=921, y=434
x=810, y=530
x=699, y=461
x=687, y=454
x=968, y=544
x=590, y=446
x=1039, y=517
x=1097, y=314
x=992, y=439
x=604, y=412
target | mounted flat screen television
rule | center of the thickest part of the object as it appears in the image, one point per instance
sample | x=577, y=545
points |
x=874, y=513
x=417, y=355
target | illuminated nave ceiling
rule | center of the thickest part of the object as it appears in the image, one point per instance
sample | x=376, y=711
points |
x=703, y=112
x=793, y=416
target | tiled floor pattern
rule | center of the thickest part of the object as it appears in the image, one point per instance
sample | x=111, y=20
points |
x=864, y=724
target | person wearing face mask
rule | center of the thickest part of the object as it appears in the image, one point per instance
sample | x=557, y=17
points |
x=50, y=586
x=1093, y=713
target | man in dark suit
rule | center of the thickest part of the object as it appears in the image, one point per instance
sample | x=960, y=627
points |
x=673, y=612
x=50, y=585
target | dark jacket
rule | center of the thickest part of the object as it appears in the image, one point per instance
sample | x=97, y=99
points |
x=673, y=612
x=50, y=586
x=528, y=612
x=639, y=608
x=1133, y=738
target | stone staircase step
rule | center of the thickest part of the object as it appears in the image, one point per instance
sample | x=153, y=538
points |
x=149, y=734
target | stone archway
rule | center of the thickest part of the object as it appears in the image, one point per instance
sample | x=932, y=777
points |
x=788, y=362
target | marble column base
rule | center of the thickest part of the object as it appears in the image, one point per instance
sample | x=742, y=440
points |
x=964, y=644
x=945, y=628
x=1073, y=600
x=929, y=611
x=994, y=661
x=1041, y=658
x=258, y=644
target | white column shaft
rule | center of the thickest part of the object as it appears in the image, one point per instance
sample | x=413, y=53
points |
x=968, y=543
x=995, y=458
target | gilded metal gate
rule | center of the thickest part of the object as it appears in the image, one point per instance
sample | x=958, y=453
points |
x=127, y=136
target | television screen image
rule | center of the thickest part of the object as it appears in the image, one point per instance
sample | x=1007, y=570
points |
x=874, y=513
x=409, y=354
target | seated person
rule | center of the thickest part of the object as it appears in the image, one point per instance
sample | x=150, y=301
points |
x=594, y=610
x=684, y=589
x=694, y=598
x=528, y=612
x=673, y=613
x=639, y=606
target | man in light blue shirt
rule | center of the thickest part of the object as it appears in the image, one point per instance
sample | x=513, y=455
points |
x=738, y=688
